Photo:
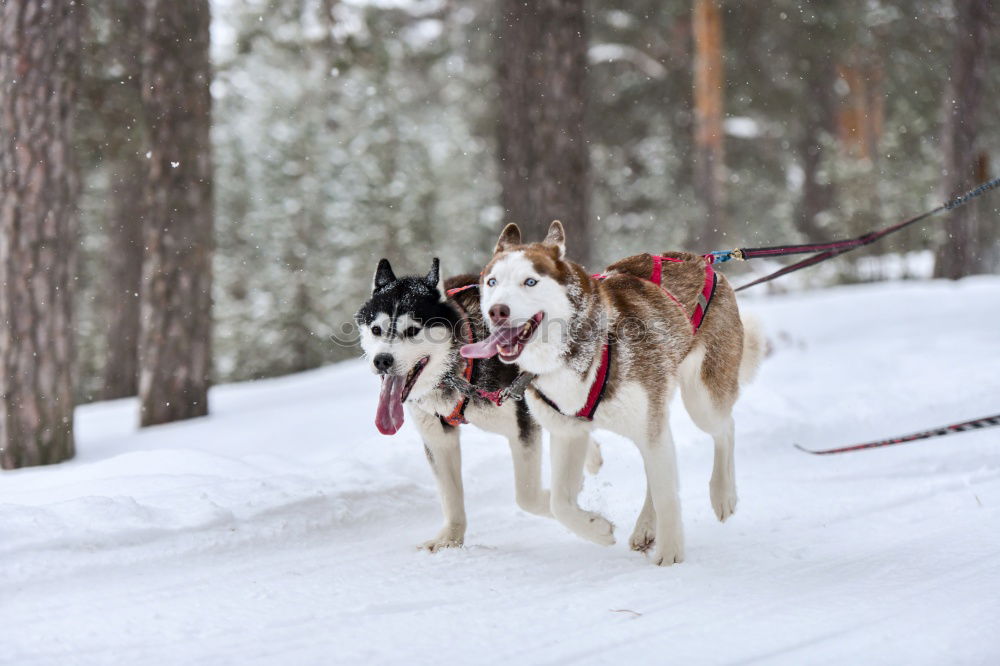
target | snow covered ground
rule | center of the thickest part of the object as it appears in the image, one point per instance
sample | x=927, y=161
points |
x=282, y=528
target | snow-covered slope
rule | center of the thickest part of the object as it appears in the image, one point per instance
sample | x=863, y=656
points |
x=282, y=528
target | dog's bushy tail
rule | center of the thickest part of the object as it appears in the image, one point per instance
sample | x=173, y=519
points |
x=754, y=347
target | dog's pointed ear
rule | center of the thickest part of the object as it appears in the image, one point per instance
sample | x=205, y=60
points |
x=383, y=275
x=510, y=235
x=556, y=237
x=434, y=278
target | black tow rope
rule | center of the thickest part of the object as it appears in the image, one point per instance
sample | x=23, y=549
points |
x=830, y=250
x=976, y=424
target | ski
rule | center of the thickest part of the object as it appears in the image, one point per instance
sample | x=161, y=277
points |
x=975, y=424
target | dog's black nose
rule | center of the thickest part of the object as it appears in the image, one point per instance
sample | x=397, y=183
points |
x=382, y=362
x=499, y=313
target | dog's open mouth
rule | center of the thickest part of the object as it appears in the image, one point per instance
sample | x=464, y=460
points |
x=395, y=390
x=506, y=341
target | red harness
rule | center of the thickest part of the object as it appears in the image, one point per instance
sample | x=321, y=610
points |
x=596, y=393
x=707, y=290
x=457, y=416
x=597, y=389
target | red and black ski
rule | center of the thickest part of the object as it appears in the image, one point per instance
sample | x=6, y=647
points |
x=975, y=424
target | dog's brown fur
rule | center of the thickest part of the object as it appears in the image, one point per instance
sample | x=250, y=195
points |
x=721, y=331
x=650, y=336
x=639, y=305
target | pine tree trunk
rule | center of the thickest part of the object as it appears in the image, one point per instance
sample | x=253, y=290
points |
x=544, y=163
x=861, y=111
x=960, y=254
x=819, y=120
x=124, y=276
x=987, y=221
x=124, y=150
x=709, y=157
x=176, y=301
x=39, y=54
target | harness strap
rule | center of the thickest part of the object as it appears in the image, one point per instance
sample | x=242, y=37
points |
x=656, y=277
x=596, y=393
x=457, y=416
x=458, y=290
x=705, y=297
x=597, y=389
x=696, y=318
x=707, y=290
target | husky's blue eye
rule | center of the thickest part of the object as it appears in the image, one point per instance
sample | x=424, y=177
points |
x=492, y=282
x=530, y=282
x=376, y=331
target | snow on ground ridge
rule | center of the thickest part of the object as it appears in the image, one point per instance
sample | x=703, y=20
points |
x=282, y=528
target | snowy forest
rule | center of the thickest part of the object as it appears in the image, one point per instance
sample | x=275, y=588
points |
x=194, y=197
x=323, y=135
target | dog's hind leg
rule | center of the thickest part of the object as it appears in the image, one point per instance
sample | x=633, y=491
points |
x=711, y=407
x=660, y=460
x=441, y=444
x=569, y=451
x=644, y=533
x=722, y=486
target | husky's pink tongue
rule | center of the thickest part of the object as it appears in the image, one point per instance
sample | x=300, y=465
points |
x=389, y=414
x=489, y=347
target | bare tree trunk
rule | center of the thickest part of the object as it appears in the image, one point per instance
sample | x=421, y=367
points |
x=987, y=222
x=39, y=55
x=124, y=277
x=960, y=254
x=709, y=157
x=176, y=302
x=544, y=160
x=819, y=121
x=862, y=108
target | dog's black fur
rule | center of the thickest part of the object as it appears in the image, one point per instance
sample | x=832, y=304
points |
x=451, y=317
x=414, y=295
x=420, y=298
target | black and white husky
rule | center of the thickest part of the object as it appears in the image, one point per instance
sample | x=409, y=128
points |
x=411, y=331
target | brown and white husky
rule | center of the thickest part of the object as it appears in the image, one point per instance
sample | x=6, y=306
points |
x=609, y=352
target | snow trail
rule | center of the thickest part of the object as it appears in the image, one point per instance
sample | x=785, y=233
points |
x=282, y=529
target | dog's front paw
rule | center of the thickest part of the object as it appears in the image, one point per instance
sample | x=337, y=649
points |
x=643, y=537
x=723, y=496
x=599, y=529
x=449, y=537
x=671, y=552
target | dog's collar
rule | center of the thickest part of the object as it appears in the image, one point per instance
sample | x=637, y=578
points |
x=513, y=391
x=463, y=383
